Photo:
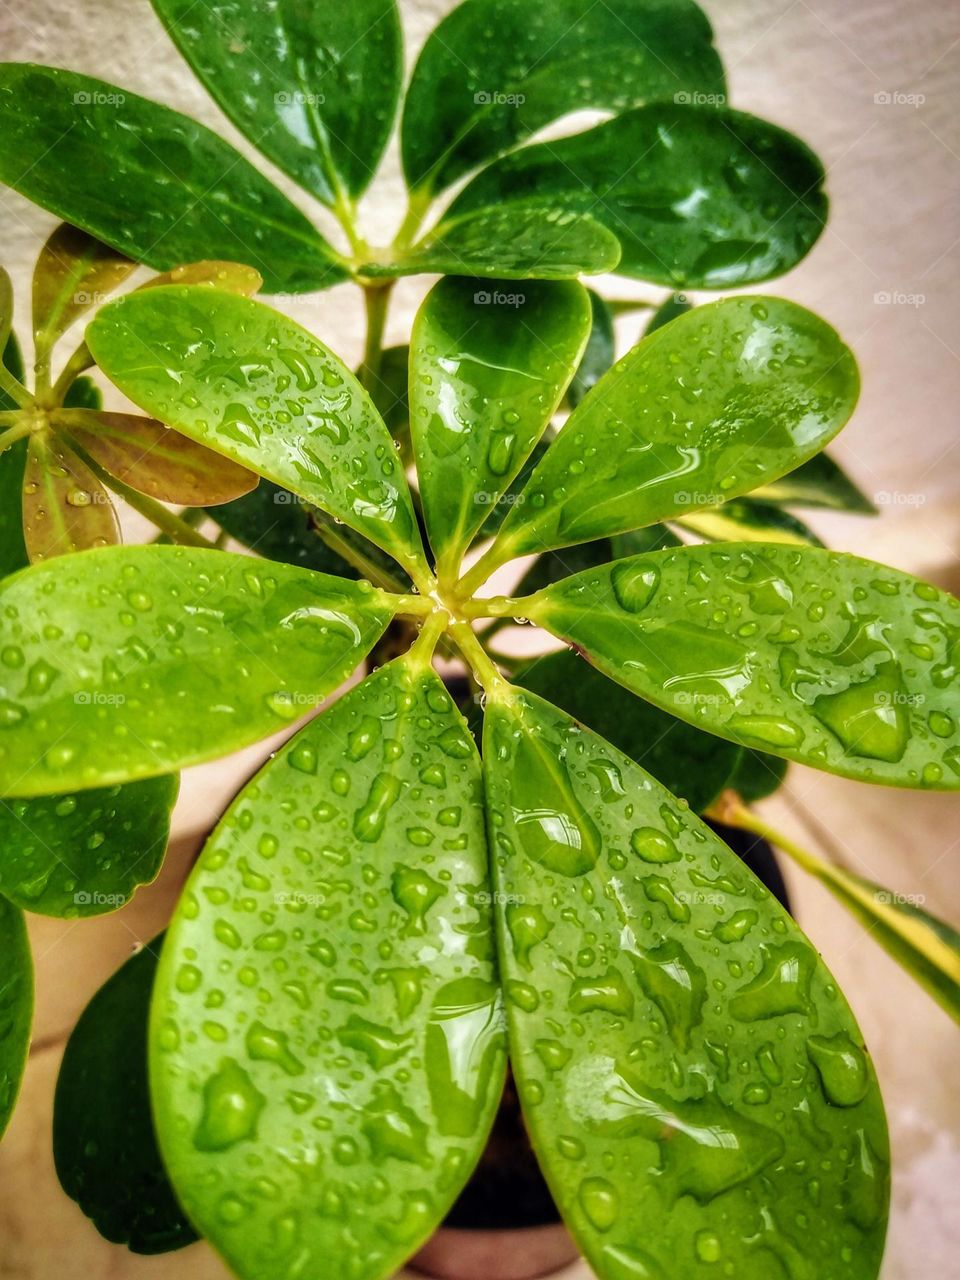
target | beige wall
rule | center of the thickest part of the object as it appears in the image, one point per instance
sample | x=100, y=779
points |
x=815, y=66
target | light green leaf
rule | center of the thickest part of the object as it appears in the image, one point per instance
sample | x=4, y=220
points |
x=495, y=71
x=694, y=1083
x=84, y=853
x=263, y=391
x=233, y=277
x=599, y=354
x=152, y=183
x=808, y=654
x=325, y=1019
x=744, y=520
x=104, y=1143
x=705, y=409
x=698, y=196
x=313, y=86
x=133, y=662
x=65, y=507
x=74, y=272
x=485, y=379
x=521, y=242
x=818, y=483
x=16, y=1006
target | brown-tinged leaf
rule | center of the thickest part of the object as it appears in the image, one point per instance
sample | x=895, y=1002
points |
x=74, y=272
x=234, y=277
x=65, y=507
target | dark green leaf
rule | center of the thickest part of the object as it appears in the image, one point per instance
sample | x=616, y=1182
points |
x=496, y=71
x=314, y=86
x=818, y=483
x=698, y=197
x=65, y=507
x=265, y=393
x=74, y=272
x=13, y=551
x=279, y=525
x=686, y=761
x=6, y=309
x=104, y=1143
x=133, y=662
x=84, y=853
x=675, y=305
x=744, y=520
x=520, y=242
x=691, y=1076
x=326, y=1020
x=83, y=394
x=150, y=182
x=808, y=654
x=600, y=351
x=16, y=1006
x=390, y=393
x=707, y=408
x=757, y=775
x=485, y=379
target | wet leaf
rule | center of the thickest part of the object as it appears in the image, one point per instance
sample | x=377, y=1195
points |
x=390, y=393
x=313, y=86
x=599, y=353
x=13, y=551
x=675, y=305
x=808, y=654
x=104, y=1143
x=693, y=1080
x=133, y=662
x=152, y=183
x=325, y=1043
x=745, y=520
x=232, y=277
x=154, y=460
x=818, y=483
x=495, y=71
x=16, y=1006
x=265, y=393
x=485, y=379
x=512, y=243
x=84, y=853
x=279, y=525
x=74, y=272
x=688, y=762
x=699, y=197
x=65, y=507
x=707, y=408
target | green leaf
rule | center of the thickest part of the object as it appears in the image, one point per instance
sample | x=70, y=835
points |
x=745, y=520
x=279, y=525
x=699, y=197
x=808, y=654
x=708, y=407
x=6, y=309
x=65, y=507
x=686, y=761
x=757, y=775
x=683, y=1057
x=16, y=1006
x=313, y=86
x=84, y=853
x=104, y=1143
x=83, y=394
x=154, y=460
x=520, y=242
x=485, y=379
x=818, y=483
x=390, y=394
x=265, y=393
x=599, y=353
x=13, y=551
x=675, y=305
x=326, y=1020
x=495, y=71
x=133, y=662
x=152, y=183
x=234, y=277
x=74, y=272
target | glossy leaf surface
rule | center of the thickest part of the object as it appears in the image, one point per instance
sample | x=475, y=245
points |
x=152, y=183
x=390, y=393
x=84, y=853
x=232, y=277
x=313, y=86
x=279, y=525
x=813, y=655
x=495, y=71
x=74, y=272
x=65, y=507
x=485, y=379
x=104, y=1143
x=16, y=1006
x=133, y=662
x=744, y=520
x=326, y=1021
x=818, y=483
x=695, y=1085
x=699, y=197
x=13, y=552
x=688, y=762
x=705, y=409
x=6, y=308
x=599, y=354
x=154, y=460
x=264, y=392
x=522, y=242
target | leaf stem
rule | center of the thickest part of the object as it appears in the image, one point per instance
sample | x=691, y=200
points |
x=420, y=653
x=376, y=298
x=13, y=434
x=329, y=535
x=17, y=392
x=78, y=362
x=417, y=206
x=409, y=605
x=502, y=608
x=477, y=659
x=730, y=809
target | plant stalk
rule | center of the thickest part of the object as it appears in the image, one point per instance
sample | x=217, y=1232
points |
x=13, y=434
x=17, y=392
x=376, y=298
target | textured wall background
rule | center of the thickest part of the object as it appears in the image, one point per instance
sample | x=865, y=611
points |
x=887, y=274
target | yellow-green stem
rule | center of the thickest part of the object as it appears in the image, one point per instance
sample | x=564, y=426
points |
x=477, y=659
x=17, y=392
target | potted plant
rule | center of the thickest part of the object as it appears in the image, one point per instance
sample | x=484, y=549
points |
x=306, y=1068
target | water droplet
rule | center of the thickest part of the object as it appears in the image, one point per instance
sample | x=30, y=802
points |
x=231, y=1109
x=842, y=1068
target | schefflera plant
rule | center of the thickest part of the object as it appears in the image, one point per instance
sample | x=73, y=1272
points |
x=326, y=1038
